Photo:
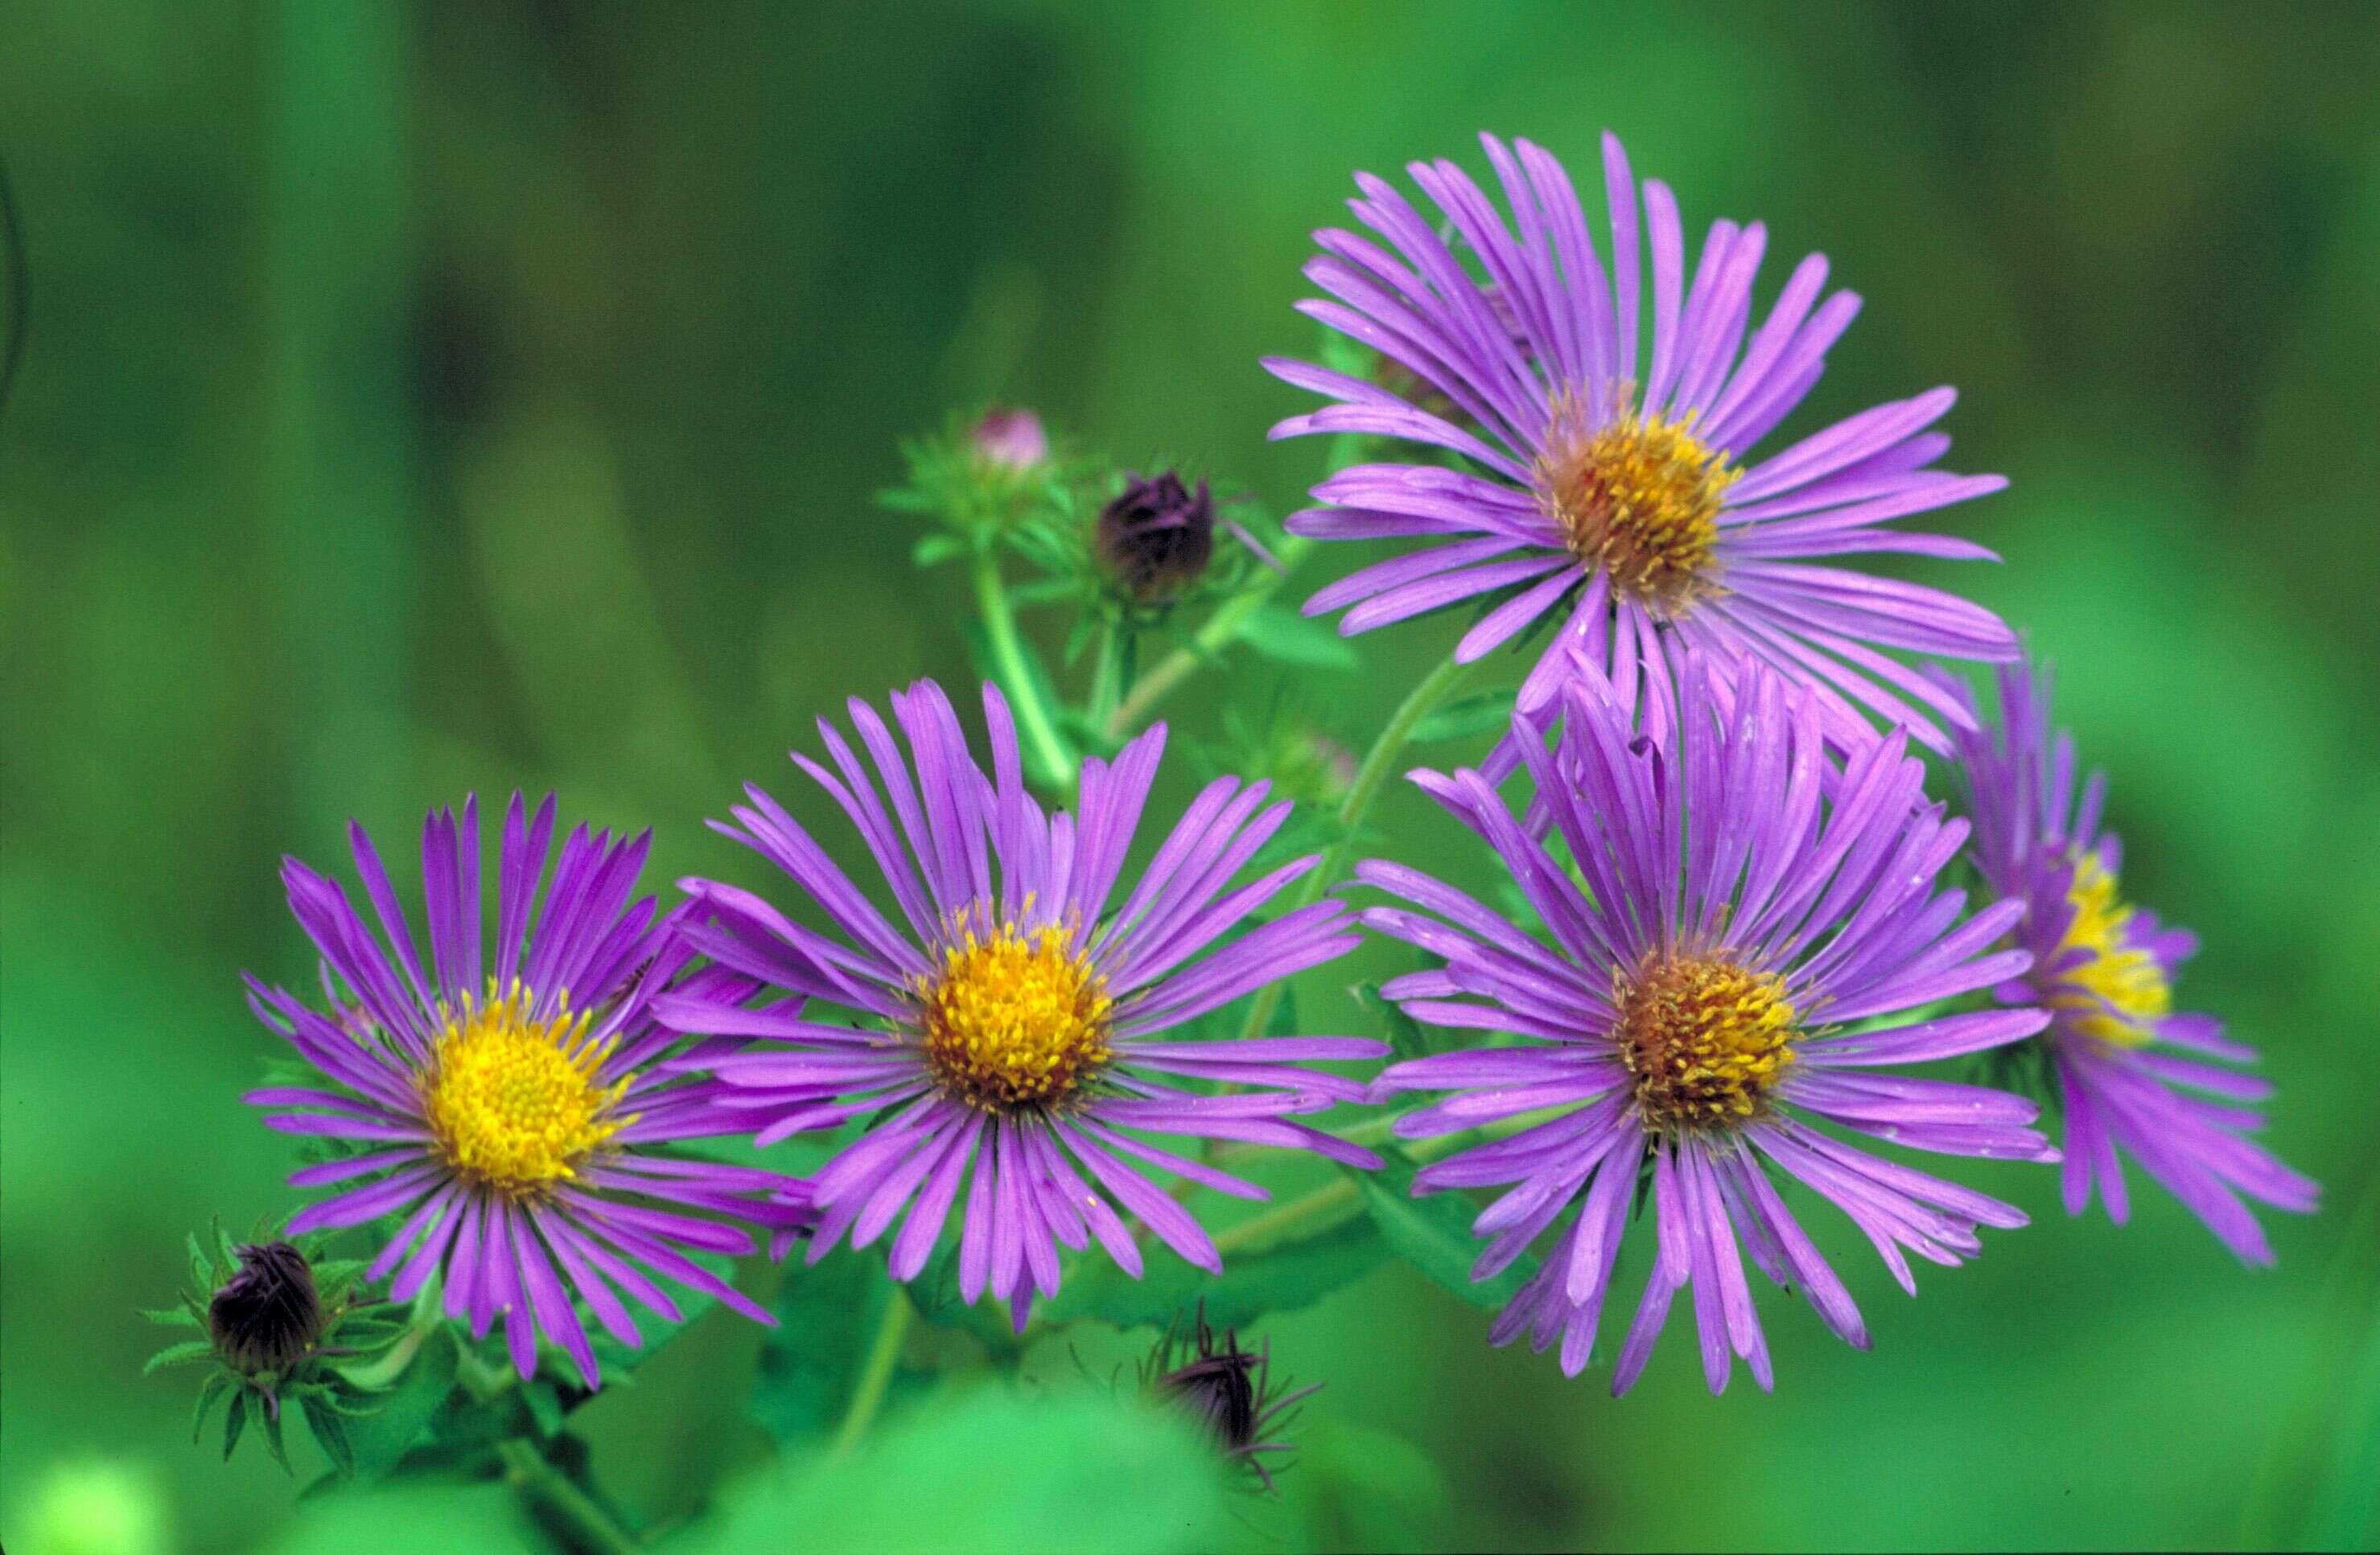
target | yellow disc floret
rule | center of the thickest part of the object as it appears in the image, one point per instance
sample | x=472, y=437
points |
x=1013, y=1019
x=1639, y=497
x=2119, y=988
x=515, y=1104
x=1704, y=1039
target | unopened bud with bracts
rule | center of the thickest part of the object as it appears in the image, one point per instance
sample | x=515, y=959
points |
x=1155, y=538
x=282, y=1323
x=1228, y=1390
x=267, y=1316
x=1009, y=439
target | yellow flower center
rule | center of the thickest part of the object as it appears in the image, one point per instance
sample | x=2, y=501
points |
x=1704, y=1039
x=2120, y=989
x=513, y=1103
x=1013, y=1020
x=1639, y=497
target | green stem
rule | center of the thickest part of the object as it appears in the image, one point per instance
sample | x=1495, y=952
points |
x=1107, y=667
x=1215, y=634
x=1381, y=1130
x=577, y=1510
x=883, y=1355
x=1257, y=1231
x=1219, y=628
x=1261, y=1229
x=1052, y=758
x=1378, y=762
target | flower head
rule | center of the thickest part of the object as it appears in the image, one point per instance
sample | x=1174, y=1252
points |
x=513, y=1110
x=2129, y=1069
x=1021, y=1028
x=1733, y=941
x=1630, y=487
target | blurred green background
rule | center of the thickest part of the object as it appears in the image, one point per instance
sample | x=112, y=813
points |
x=425, y=398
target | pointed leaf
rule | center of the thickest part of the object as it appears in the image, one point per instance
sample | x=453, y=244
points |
x=1434, y=1235
x=1283, y=636
x=1278, y=1278
x=216, y=1386
x=1487, y=711
x=273, y=1440
x=1405, y=1033
x=380, y=1439
x=544, y=1405
x=330, y=1434
x=180, y=1355
x=828, y=1316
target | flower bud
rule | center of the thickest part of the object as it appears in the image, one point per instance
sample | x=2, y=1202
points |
x=1009, y=439
x=267, y=1315
x=1227, y=1391
x=1157, y=537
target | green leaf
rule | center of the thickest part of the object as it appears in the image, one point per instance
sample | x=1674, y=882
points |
x=544, y=1405
x=1283, y=1022
x=202, y=1268
x=273, y=1438
x=1280, y=1279
x=934, y=550
x=1463, y=718
x=996, y=1470
x=380, y=1439
x=1405, y=1033
x=172, y=1317
x=1286, y=638
x=180, y=1355
x=235, y=1422
x=827, y=1318
x=333, y=1278
x=619, y=1362
x=935, y=1292
x=330, y=1434
x=216, y=1386
x=1433, y=1233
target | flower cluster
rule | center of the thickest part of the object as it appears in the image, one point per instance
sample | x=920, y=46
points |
x=1022, y=1015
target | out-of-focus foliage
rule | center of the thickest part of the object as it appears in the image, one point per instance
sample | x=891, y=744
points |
x=995, y=1470
x=461, y=395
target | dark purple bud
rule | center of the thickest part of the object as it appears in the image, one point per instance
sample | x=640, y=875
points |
x=267, y=1316
x=1157, y=537
x=1227, y=1389
x=1218, y=1390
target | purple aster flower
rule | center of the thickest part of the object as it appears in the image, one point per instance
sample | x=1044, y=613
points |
x=1732, y=949
x=2104, y=971
x=1023, y=1031
x=1630, y=487
x=511, y=1111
